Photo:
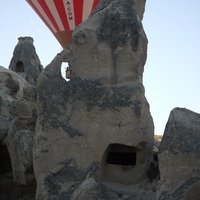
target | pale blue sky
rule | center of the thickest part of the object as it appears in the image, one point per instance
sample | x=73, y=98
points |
x=171, y=76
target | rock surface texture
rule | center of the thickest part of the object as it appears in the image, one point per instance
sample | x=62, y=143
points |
x=91, y=138
x=94, y=134
x=179, y=157
x=17, y=124
x=25, y=60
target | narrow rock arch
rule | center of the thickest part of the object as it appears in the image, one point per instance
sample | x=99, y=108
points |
x=63, y=69
x=118, y=163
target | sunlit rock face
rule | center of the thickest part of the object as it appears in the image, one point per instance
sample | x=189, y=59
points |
x=94, y=134
x=25, y=60
x=179, y=157
x=17, y=126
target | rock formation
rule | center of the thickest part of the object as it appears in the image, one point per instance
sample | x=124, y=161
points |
x=93, y=138
x=179, y=157
x=25, y=60
x=94, y=134
x=17, y=125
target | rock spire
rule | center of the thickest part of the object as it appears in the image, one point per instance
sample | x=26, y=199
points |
x=25, y=60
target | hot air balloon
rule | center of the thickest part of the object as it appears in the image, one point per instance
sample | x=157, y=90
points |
x=61, y=16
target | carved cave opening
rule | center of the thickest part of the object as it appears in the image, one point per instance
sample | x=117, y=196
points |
x=118, y=164
x=9, y=189
x=5, y=166
x=19, y=66
x=121, y=158
x=121, y=155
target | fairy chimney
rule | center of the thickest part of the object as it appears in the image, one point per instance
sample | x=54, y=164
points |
x=25, y=60
x=96, y=131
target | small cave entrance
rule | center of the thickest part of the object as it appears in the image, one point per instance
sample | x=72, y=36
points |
x=5, y=166
x=19, y=66
x=9, y=189
x=118, y=164
x=121, y=156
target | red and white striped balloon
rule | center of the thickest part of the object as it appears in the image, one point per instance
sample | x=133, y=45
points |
x=61, y=16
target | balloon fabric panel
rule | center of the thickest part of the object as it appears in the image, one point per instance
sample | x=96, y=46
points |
x=62, y=16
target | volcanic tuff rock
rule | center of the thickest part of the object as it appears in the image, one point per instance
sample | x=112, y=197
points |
x=94, y=134
x=17, y=122
x=179, y=157
x=25, y=60
x=138, y=5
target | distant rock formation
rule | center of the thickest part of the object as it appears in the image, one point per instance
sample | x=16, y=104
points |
x=25, y=61
x=179, y=157
x=94, y=134
x=18, y=114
